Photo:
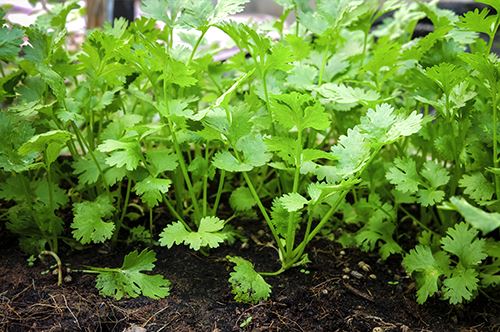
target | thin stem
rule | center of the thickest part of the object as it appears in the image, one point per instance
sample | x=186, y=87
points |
x=495, y=145
x=263, y=211
x=415, y=220
x=124, y=211
x=290, y=237
x=174, y=212
x=205, y=185
x=219, y=192
x=326, y=217
x=198, y=42
x=59, y=264
x=322, y=68
x=275, y=273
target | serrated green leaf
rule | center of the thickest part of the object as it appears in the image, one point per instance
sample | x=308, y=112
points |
x=129, y=280
x=241, y=199
x=477, y=187
x=404, y=175
x=461, y=241
x=152, y=189
x=460, y=286
x=293, y=201
x=428, y=271
x=247, y=285
x=88, y=224
x=209, y=234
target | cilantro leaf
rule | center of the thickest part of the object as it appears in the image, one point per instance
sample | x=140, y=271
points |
x=461, y=241
x=86, y=168
x=404, y=175
x=428, y=270
x=88, y=224
x=241, y=199
x=460, y=286
x=477, y=187
x=152, y=189
x=50, y=143
x=129, y=280
x=248, y=286
x=10, y=42
x=293, y=201
x=479, y=219
x=122, y=154
x=209, y=234
x=343, y=94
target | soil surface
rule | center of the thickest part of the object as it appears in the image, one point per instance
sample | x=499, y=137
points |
x=332, y=294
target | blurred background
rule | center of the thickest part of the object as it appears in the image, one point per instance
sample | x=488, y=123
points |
x=95, y=12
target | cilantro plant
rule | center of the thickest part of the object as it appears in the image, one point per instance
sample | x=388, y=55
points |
x=142, y=135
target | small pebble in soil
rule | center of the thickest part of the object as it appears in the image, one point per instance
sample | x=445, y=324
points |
x=345, y=277
x=356, y=274
x=372, y=276
x=346, y=270
x=378, y=329
x=324, y=291
x=342, y=252
x=68, y=279
x=363, y=266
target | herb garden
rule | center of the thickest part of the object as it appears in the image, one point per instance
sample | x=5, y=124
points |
x=335, y=162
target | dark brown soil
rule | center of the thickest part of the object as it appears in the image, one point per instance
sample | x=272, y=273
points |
x=319, y=298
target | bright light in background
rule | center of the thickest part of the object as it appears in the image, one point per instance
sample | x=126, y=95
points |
x=23, y=13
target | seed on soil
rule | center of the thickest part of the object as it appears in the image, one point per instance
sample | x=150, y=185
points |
x=372, y=276
x=356, y=274
x=345, y=277
x=68, y=278
x=346, y=270
x=342, y=253
x=324, y=291
x=378, y=329
x=363, y=266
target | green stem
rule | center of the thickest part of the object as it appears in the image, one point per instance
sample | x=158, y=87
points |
x=322, y=68
x=415, y=220
x=326, y=217
x=219, y=192
x=275, y=273
x=290, y=237
x=124, y=212
x=205, y=185
x=174, y=213
x=263, y=211
x=495, y=145
x=198, y=42
x=59, y=264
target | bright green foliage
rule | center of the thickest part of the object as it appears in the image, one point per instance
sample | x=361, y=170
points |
x=461, y=242
x=129, y=280
x=210, y=234
x=122, y=154
x=247, y=285
x=424, y=185
x=479, y=219
x=152, y=190
x=49, y=143
x=428, y=270
x=292, y=202
x=10, y=41
x=88, y=222
x=241, y=199
x=459, y=281
x=477, y=187
x=338, y=121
